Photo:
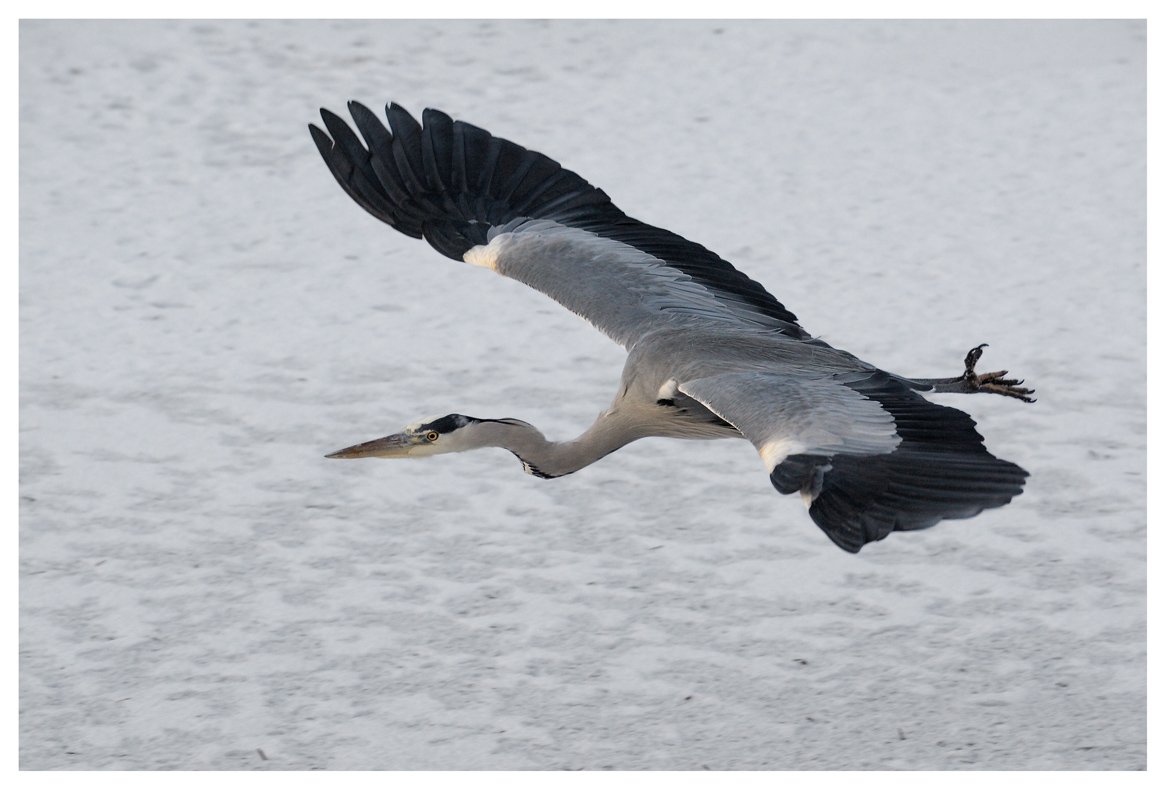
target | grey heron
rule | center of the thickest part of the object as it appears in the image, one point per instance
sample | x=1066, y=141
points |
x=710, y=352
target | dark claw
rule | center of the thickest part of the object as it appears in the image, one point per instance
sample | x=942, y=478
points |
x=973, y=357
x=993, y=382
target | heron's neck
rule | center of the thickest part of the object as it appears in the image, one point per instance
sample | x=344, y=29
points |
x=544, y=458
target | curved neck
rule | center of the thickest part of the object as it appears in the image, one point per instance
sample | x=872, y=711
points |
x=544, y=458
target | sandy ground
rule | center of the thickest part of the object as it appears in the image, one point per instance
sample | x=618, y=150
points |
x=204, y=314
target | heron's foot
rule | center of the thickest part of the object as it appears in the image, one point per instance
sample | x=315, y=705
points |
x=992, y=382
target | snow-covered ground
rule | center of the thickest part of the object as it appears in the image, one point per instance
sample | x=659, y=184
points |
x=204, y=314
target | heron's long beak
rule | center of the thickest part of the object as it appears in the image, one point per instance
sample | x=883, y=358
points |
x=396, y=446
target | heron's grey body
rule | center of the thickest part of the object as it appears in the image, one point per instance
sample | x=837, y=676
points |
x=711, y=353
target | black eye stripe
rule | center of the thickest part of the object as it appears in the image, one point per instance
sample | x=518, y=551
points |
x=447, y=424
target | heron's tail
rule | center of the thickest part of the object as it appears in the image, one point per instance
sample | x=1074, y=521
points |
x=449, y=181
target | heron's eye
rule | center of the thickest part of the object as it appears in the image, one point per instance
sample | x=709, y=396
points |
x=431, y=436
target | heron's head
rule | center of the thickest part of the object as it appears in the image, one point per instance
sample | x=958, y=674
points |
x=452, y=433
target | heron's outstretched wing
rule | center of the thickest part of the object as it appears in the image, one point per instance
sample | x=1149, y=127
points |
x=870, y=455
x=491, y=202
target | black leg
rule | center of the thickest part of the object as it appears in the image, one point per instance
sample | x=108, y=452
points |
x=971, y=381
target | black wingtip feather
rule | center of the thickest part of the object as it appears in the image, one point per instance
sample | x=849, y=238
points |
x=437, y=150
x=377, y=138
x=321, y=139
x=351, y=179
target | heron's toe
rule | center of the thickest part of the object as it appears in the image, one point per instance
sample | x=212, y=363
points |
x=995, y=381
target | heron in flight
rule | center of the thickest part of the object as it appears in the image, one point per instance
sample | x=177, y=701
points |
x=711, y=353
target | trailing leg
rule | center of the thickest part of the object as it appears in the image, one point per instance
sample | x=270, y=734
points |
x=971, y=381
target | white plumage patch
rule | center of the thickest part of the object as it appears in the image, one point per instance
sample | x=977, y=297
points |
x=775, y=451
x=668, y=390
x=484, y=255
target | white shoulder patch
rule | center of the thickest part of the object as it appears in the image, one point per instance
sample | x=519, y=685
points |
x=777, y=450
x=486, y=255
